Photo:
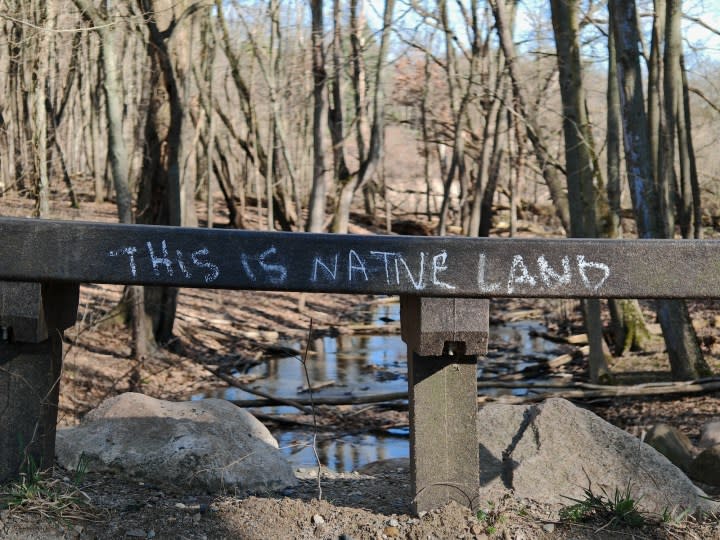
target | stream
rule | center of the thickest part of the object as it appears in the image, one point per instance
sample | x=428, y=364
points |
x=357, y=365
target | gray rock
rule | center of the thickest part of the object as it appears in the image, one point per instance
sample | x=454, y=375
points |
x=706, y=466
x=710, y=435
x=671, y=443
x=209, y=444
x=554, y=450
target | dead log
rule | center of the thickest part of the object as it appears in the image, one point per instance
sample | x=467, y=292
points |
x=577, y=391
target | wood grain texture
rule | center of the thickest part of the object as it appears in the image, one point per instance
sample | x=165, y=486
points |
x=43, y=250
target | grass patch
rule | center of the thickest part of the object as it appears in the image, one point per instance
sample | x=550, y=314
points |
x=619, y=509
x=39, y=492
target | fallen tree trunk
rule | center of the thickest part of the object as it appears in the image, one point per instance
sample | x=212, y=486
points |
x=592, y=391
x=578, y=391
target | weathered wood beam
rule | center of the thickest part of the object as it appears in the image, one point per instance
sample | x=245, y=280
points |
x=69, y=251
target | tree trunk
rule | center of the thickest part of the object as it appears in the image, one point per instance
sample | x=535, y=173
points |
x=368, y=166
x=655, y=70
x=44, y=16
x=676, y=128
x=159, y=201
x=579, y=162
x=627, y=324
x=550, y=171
x=686, y=140
x=498, y=151
x=316, y=220
x=686, y=360
x=484, y=192
x=666, y=178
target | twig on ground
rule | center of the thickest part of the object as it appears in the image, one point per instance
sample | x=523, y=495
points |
x=303, y=361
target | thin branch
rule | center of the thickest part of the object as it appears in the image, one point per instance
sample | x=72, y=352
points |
x=706, y=99
x=698, y=20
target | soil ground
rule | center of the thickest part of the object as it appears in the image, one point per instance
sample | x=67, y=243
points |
x=220, y=329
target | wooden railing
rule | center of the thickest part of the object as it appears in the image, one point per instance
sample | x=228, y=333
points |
x=444, y=285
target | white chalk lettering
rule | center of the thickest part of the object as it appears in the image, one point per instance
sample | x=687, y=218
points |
x=482, y=286
x=181, y=264
x=318, y=263
x=130, y=252
x=246, y=266
x=384, y=255
x=584, y=265
x=440, y=266
x=162, y=260
x=352, y=255
x=417, y=284
x=277, y=272
x=212, y=270
x=550, y=277
x=519, y=274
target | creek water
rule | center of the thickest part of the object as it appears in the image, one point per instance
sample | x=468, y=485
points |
x=357, y=365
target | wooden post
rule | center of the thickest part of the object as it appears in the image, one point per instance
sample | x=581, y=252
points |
x=32, y=319
x=444, y=337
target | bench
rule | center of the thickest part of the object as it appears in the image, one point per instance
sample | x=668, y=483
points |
x=444, y=286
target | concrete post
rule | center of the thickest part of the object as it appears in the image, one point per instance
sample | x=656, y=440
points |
x=444, y=337
x=32, y=319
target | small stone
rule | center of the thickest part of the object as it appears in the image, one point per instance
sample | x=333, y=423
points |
x=151, y=534
x=317, y=519
x=393, y=522
x=422, y=514
x=672, y=443
x=196, y=518
x=477, y=529
x=710, y=435
x=136, y=533
x=706, y=466
x=549, y=527
x=391, y=532
x=180, y=506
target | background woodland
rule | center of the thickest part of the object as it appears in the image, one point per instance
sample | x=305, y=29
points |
x=597, y=118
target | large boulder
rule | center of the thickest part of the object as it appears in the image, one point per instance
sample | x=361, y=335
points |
x=553, y=451
x=209, y=444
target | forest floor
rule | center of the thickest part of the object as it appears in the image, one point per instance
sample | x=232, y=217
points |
x=223, y=328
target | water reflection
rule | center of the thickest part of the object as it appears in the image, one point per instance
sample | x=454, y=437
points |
x=342, y=454
x=358, y=365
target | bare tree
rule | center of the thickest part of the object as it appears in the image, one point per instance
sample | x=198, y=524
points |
x=579, y=158
x=628, y=327
x=316, y=221
x=550, y=170
x=372, y=159
x=117, y=150
x=686, y=360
